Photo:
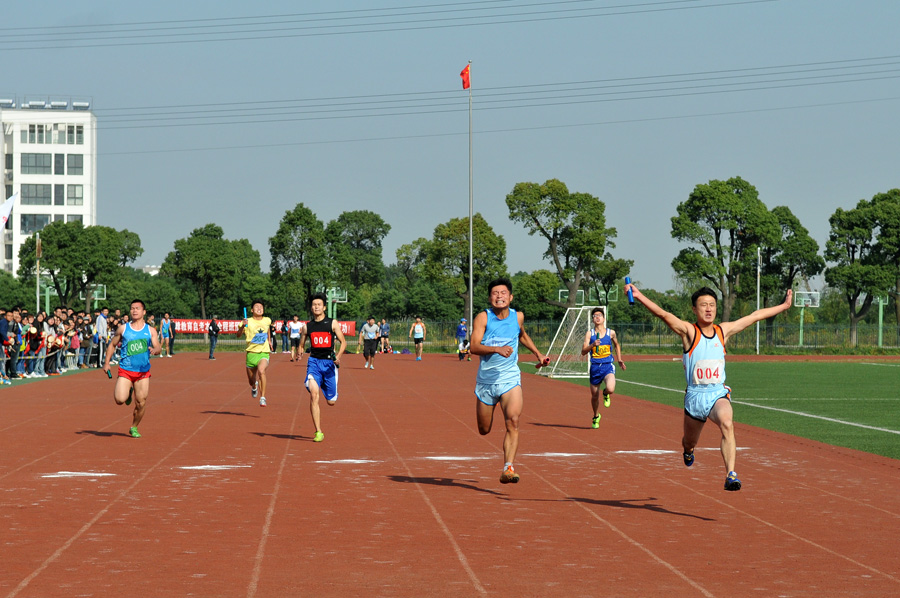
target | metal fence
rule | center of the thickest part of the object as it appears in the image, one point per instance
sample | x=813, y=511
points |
x=652, y=337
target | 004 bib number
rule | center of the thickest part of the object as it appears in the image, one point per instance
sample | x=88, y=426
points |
x=709, y=371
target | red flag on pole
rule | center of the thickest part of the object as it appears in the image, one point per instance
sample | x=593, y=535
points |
x=465, y=76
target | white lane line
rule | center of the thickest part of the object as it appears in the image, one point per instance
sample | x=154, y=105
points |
x=214, y=467
x=800, y=413
x=77, y=474
x=888, y=365
x=270, y=513
x=453, y=458
x=349, y=461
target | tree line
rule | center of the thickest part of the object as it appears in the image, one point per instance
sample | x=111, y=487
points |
x=721, y=225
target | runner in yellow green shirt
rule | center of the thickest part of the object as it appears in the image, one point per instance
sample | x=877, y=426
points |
x=257, y=330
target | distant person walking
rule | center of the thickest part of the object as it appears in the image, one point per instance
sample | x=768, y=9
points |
x=295, y=330
x=417, y=332
x=165, y=330
x=368, y=336
x=385, y=336
x=213, y=331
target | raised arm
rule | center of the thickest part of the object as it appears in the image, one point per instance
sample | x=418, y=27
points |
x=731, y=328
x=676, y=324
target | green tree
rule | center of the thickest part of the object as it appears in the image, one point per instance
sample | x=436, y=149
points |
x=447, y=256
x=14, y=292
x=532, y=292
x=354, y=244
x=887, y=213
x=76, y=257
x=574, y=225
x=299, y=257
x=795, y=255
x=725, y=221
x=608, y=273
x=210, y=264
x=860, y=271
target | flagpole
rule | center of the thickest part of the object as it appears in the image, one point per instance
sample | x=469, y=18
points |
x=471, y=205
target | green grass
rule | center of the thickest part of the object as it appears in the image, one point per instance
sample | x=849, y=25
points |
x=856, y=394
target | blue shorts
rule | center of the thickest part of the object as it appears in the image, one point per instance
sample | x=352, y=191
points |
x=490, y=394
x=599, y=371
x=325, y=375
x=699, y=402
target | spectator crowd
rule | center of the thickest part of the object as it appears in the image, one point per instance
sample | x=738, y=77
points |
x=38, y=345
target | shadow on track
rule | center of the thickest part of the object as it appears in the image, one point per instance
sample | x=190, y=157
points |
x=103, y=434
x=633, y=504
x=230, y=413
x=442, y=482
x=585, y=427
x=283, y=436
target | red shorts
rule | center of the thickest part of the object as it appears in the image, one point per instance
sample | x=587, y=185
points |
x=133, y=376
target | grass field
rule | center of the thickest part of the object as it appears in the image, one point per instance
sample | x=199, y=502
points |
x=854, y=405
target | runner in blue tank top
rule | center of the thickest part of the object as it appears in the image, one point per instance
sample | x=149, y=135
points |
x=599, y=342
x=496, y=336
x=706, y=396
x=139, y=342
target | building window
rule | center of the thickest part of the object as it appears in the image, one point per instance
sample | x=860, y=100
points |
x=8, y=251
x=70, y=135
x=8, y=159
x=59, y=217
x=36, y=163
x=32, y=133
x=74, y=218
x=79, y=134
x=36, y=195
x=59, y=133
x=76, y=164
x=8, y=192
x=59, y=164
x=75, y=195
x=32, y=223
x=59, y=195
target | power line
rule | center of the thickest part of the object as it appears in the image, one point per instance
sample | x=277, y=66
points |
x=87, y=38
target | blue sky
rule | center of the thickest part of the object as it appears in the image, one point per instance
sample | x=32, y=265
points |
x=233, y=113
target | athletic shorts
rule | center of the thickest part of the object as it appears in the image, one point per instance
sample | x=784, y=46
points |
x=325, y=375
x=490, y=394
x=370, y=346
x=253, y=359
x=418, y=341
x=133, y=376
x=295, y=342
x=699, y=402
x=599, y=371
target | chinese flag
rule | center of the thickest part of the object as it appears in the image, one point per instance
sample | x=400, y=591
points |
x=465, y=77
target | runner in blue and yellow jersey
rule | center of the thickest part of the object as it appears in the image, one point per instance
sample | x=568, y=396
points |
x=139, y=341
x=706, y=396
x=599, y=342
x=257, y=331
x=496, y=336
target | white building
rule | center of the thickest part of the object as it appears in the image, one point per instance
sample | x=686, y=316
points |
x=49, y=149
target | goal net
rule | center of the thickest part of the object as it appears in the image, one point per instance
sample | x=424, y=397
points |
x=566, y=360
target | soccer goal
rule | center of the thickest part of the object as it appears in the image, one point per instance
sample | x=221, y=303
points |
x=566, y=360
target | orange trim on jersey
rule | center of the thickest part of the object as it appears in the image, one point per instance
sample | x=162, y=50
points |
x=698, y=333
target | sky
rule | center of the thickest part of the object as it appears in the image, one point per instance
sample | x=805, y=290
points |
x=234, y=112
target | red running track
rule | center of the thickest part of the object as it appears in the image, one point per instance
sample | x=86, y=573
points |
x=223, y=498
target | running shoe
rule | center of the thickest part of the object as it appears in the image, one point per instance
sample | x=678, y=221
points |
x=134, y=432
x=605, y=399
x=365, y=367
x=262, y=401
x=732, y=483
x=688, y=458
x=595, y=423
x=509, y=476
x=254, y=391
x=319, y=437
x=130, y=392
x=372, y=367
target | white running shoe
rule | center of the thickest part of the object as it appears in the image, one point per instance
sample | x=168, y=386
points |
x=365, y=367
x=372, y=367
x=262, y=401
x=254, y=390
